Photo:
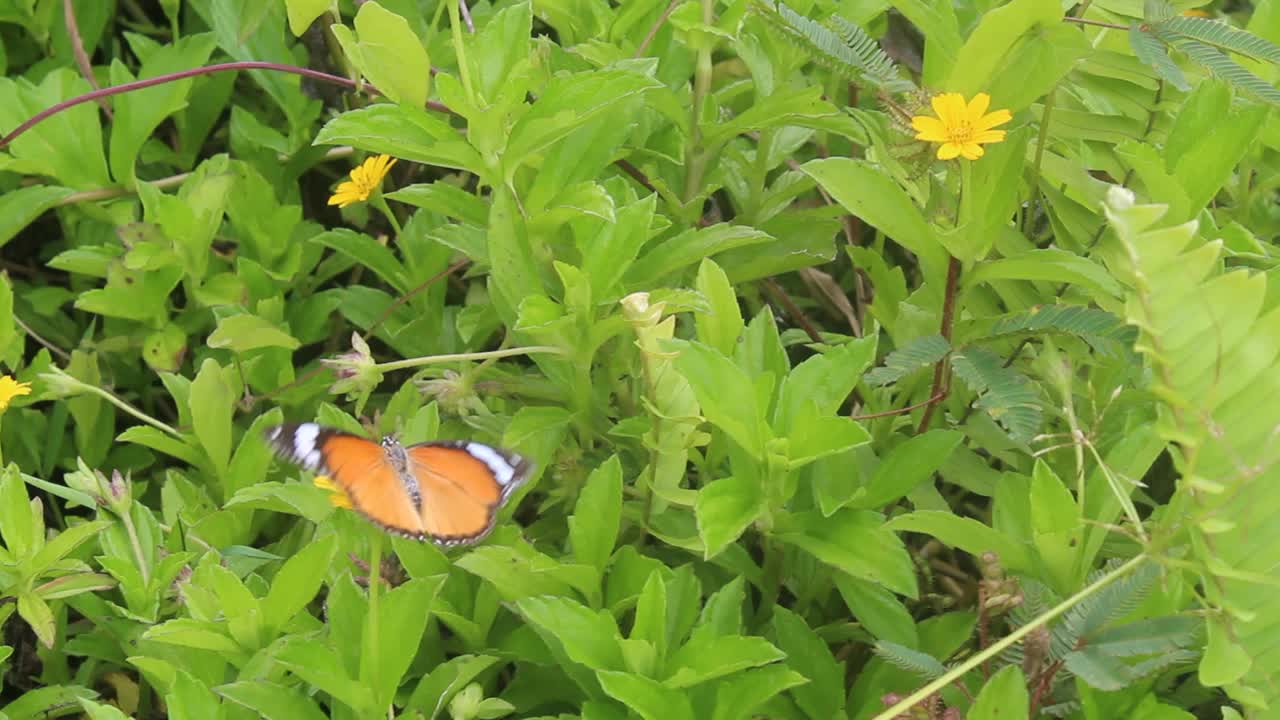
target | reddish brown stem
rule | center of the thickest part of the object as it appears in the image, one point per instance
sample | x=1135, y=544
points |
x=1042, y=684
x=183, y=74
x=948, y=316
x=792, y=309
x=900, y=411
x=77, y=49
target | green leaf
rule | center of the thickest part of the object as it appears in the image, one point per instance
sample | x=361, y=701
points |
x=967, y=534
x=736, y=413
x=878, y=610
x=297, y=582
x=402, y=620
x=906, y=466
x=387, y=52
x=444, y=198
x=722, y=325
x=405, y=132
x=271, y=700
x=140, y=112
x=706, y=657
x=21, y=537
x=867, y=192
x=303, y=12
x=1225, y=661
x=593, y=528
x=822, y=383
x=37, y=614
x=589, y=637
x=647, y=698
x=1150, y=51
x=20, y=207
x=739, y=696
x=857, y=542
x=321, y=668
x=1050, y=265
x=368, y=252
x=438, y=687
x=63, y=543
x=212, y=406
x=67, y=145
x=915, y=355
x=815, y=436
x=242, y=333
x=189, y=633
x=823, y=696
x=1007, y=395
x=1224, y=36
x=725, y=508
x=567, y=103
x=1003, y=697
x=989, y=48
x=841, y=46
x=190, y=699
x=689, y=247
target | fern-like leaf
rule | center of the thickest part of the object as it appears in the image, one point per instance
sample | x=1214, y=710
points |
x=1223, y=36
x=1156, y=10
x=1213, y=343
x=913, y=661
x=919, y=353
x=1114, y=601
x=1007, y=395
x=1150, y=51
x=1223, y=67
x=844, y=49
x=1104, y=332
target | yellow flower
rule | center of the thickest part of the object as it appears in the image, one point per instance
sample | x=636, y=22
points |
x=10, y=389
x=962, y=129
x=365, y=178
x=338, y=496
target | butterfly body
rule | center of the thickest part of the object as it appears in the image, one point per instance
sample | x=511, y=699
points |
x=447, y=492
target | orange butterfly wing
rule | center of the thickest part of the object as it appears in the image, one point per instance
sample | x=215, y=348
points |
x=460, y=484
x=461, y=492
x=361, y=468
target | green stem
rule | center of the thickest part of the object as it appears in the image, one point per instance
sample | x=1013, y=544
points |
x=381, y=203
x=455, y=24
x=127, y=519
x=695, y=155
x=369, y=664
x=63, y=377
x=959, y=671
x=1041, y=141
x=454, y=357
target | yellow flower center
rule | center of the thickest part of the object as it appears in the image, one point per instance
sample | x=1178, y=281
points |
x=960, y=132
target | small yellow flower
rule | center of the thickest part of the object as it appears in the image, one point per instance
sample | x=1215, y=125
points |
x=365, y=178
x=338, y=496
x=10, y=389
x=962, y=129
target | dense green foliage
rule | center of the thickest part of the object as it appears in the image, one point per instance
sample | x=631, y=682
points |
x=824, y=426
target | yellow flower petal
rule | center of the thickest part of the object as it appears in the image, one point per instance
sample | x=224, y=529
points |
x=961, y=127
x=338, y=496
x=365, y=179
x=930, y=129
x=10, y=389
x=978, y=107
x=998, y=117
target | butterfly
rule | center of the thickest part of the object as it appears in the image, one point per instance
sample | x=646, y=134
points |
x=447, y=492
